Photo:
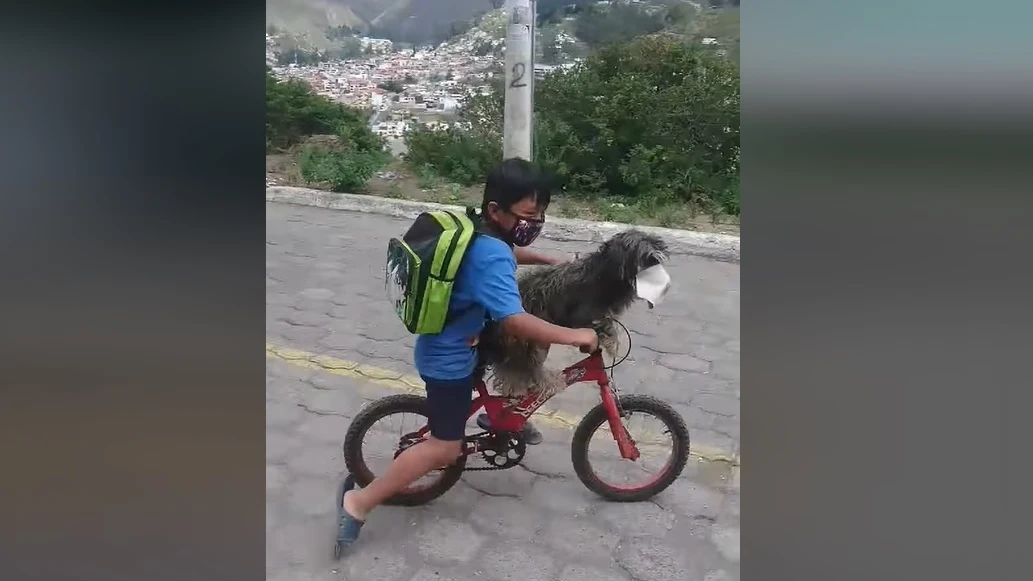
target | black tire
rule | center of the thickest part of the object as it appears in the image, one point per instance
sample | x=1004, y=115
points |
x=356, y=464
x=630, y=403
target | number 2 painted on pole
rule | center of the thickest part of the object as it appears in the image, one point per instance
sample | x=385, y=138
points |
x=518, y=73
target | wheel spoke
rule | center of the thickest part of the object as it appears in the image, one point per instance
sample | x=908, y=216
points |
x=373, y=443
x=662, y=444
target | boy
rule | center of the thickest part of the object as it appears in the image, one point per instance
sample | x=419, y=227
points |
x=512, y=215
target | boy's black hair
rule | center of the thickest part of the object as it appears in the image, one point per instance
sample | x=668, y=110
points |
x=513, y=180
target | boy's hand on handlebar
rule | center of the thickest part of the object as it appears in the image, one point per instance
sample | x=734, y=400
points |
x=587, y=340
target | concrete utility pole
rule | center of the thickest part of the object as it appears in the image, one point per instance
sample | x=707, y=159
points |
x=519, y=95
x=533, y=78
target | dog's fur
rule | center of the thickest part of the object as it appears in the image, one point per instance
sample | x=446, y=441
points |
x=586, y=293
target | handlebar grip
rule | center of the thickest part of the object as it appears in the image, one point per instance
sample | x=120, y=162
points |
x=598, y=342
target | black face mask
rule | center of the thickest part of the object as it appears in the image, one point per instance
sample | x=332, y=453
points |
x=525, y=231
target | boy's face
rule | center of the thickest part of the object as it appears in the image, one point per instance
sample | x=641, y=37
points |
x=521, y=223
x=526, y=209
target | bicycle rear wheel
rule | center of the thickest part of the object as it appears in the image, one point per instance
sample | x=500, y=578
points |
x=658, y=470
x=359, y=451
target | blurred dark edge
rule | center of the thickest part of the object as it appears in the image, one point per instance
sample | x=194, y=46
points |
x=132, y=416
x=886, y=314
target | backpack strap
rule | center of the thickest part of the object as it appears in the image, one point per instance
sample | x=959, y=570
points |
x=452, y=316
x=478, y=231
x=479, y=225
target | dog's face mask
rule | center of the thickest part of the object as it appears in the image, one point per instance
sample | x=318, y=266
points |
x=652, y=284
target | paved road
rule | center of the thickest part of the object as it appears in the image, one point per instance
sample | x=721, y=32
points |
x=325, y=295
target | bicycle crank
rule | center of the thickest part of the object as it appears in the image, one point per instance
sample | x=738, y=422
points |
x=500, y=451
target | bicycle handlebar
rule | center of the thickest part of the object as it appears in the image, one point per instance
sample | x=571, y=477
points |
x=598, y=342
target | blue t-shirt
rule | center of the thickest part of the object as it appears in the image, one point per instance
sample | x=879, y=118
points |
x=485, y=285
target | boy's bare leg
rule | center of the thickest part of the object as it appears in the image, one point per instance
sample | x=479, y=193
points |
x=408, y=467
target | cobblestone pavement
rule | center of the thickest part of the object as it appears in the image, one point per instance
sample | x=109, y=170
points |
x=325, y=295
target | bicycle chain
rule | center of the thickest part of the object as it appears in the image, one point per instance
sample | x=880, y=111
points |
x=487, y=468
x=490, y=467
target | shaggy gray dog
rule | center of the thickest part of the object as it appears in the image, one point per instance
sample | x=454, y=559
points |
x=585, y=293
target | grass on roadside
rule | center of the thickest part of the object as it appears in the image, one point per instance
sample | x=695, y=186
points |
x=665, y=214
x=422, y=184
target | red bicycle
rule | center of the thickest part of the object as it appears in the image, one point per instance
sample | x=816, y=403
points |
x=500, y=443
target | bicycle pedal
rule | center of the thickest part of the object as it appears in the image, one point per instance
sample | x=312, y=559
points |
x=484, y=423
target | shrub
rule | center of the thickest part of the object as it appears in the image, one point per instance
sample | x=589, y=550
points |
x=342, y=171
x=728, y=199
x=660, y=120
x=601, y=25
x=392, y=86
x=293, y=112
x=427, y=177
x=458, y=156
x=344, y=161
x=653, y=122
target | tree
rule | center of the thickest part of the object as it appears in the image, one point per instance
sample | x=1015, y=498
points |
x=555, y=10
x=338, y=32
x=601, y=25
x=681, y=14
x=551, y=53
x=409, y=79
x=664, y=121
x=293, y=111
x=481, y=48
x=653, y=119
x=459, y=28
x=301, y=56
x=349, y=152
x=350, y=48
x=391, y=86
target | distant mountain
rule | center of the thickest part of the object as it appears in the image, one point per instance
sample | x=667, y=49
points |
x=567, y=27
x=406, y=21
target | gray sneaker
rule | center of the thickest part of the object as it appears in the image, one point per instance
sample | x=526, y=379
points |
x=531, y=434
x=532, y=437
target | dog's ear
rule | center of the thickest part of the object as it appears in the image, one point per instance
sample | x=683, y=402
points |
x=637, y=252
x=623, y=246
x=660, y=246
x=653, y=251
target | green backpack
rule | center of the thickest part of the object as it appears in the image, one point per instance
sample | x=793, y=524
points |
x=422, y=267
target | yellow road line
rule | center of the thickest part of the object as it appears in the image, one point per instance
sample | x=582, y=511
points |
x=408, y=384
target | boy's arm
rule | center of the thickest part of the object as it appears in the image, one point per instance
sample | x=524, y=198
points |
x=497, y=290
x=529, y=327
x=527, y=256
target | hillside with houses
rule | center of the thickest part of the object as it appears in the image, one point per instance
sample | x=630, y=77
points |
x=432, y=113
x=400, y=87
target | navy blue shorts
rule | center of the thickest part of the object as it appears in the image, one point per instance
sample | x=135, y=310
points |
x=449, y=402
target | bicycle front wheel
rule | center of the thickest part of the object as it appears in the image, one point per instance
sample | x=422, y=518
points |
x=663, y=450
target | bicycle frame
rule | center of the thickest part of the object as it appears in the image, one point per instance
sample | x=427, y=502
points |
x=504, y=416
